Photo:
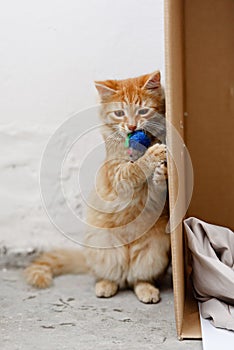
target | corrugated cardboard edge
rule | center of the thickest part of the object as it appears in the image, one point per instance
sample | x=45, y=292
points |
x=186, y=312
x=174, y=111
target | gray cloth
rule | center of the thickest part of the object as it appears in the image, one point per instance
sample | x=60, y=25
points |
x=212, y=250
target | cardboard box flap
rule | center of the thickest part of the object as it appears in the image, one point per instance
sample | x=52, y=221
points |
x=199, y=56
x=174, y=114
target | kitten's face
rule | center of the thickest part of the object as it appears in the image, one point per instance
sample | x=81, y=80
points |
x=130, y=104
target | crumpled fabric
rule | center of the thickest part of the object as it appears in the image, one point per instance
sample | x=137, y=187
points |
x=212, y=250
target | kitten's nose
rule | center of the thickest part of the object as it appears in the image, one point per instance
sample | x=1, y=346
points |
x=132, y=127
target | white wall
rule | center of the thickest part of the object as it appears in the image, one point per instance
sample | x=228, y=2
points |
x=50, y=53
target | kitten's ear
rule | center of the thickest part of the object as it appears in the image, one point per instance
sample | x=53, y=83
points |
x=105, y=88
x=153, y=81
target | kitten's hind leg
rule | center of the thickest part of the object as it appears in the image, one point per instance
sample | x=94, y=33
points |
x=41, y=271
x=106, y=289
x=146, y=292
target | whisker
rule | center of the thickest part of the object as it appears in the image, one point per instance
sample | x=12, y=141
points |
x=114, y=140
x=156, y=128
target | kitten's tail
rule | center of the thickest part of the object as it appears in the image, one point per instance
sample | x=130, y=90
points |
x=58, y=262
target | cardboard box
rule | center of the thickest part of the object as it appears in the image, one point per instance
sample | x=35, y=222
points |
x=199, y=49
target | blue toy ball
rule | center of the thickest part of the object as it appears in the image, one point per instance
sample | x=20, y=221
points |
x=139, y=137
x=137, y=142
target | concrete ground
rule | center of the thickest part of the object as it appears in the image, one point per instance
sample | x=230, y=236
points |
x=69, y=316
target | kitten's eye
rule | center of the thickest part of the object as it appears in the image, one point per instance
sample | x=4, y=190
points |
x=143, y=111
x=119, y=113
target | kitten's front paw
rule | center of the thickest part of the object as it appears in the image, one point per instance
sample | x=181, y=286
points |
x=105, y=289
x=147, y=293
x=158, y=152
x=160, y=174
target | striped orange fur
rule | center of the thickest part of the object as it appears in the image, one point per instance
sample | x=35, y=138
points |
x=119, y=249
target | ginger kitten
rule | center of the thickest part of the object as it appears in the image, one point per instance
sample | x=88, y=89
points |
x=125, y=242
